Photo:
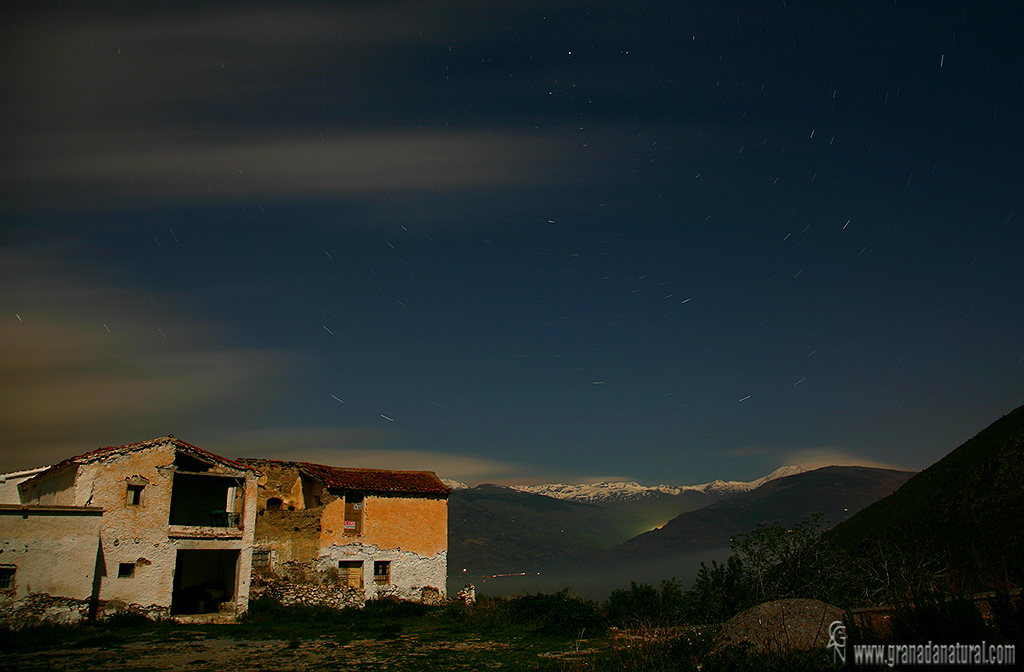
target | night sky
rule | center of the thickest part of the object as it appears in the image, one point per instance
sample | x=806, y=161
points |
x=513, y=242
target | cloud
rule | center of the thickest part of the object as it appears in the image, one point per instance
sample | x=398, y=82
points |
x=86, y=365
x=132, y=110
x=106, y=172
x=827, y=456
x=137, y=110
x=364, y=448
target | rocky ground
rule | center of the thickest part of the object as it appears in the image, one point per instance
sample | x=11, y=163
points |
x=197, y=652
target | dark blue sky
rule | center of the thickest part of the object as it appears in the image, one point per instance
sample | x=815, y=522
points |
x=665, y=242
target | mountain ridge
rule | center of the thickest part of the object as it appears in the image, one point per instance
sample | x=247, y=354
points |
x=835, y=492
x=965, y=508
x=631, y=490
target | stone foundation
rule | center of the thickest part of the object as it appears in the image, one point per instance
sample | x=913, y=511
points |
x=307, y=594
x=42, y=608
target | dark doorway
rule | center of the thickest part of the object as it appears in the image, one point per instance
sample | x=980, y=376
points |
x=203, y=581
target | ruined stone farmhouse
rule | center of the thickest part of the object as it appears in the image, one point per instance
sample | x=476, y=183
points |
x=161, y=525
x=339, y=535
x=167, y=528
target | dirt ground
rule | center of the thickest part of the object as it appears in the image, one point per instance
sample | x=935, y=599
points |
x=206, y=653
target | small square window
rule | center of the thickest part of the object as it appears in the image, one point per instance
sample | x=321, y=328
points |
x=126, y=570
x=382, y=572
x=7, y=573
x=134, y=496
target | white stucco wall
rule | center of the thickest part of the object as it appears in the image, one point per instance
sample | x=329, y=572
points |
x=53, y=550
x=55, y=489
x=9, y=484
x=410, y=572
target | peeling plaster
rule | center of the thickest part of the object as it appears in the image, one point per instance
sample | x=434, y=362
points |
x=410, y=572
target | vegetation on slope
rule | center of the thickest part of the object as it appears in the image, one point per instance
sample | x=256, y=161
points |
x=964, y=511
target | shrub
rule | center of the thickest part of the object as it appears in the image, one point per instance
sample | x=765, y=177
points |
x=644, y=606
x=1008, y=615
x=389, y=608
x=934, y=617
x=558, y=613
x=719, y=592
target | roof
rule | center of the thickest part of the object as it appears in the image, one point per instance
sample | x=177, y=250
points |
x=102, y=453
x=23, y=474
x=377, y=480
x=369, y=480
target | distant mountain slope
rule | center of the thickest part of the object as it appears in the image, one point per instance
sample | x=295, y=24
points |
x=599, y=493
x=494, y=529
x=835, y=492
x=968, y=506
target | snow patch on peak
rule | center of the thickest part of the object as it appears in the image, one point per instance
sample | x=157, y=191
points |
x=454, y=485
x=594, y=492
x=781, y=472
x=631, y=490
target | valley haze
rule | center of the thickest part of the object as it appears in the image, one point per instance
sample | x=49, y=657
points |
x=595, y=538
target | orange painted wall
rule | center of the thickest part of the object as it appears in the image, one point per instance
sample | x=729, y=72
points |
x=415, y=524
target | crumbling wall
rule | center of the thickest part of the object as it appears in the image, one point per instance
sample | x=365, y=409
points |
x=291, y=536
x=43, y=608
x=284, y=481
x=313, y=593
x=411, y=572
x=413, y=577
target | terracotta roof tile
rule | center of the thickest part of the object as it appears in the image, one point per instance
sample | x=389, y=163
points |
x=367, y=480
x=100, y=453
x=376, y=480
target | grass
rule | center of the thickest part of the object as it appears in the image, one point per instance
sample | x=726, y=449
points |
x=495, y=632
x=555, y=632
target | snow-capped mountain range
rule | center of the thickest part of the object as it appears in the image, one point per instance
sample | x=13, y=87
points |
x=627, y=491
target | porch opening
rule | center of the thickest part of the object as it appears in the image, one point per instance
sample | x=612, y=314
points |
x=203, y=581
x=206, y=500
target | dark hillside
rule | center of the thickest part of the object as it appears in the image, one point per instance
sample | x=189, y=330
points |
x=493, y=529
x=967, y=507
x=834, y=492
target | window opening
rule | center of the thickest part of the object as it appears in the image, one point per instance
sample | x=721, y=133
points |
x=382, y=572
x=353, y=514
x=274, y=504
x=261, y=559
x=135, y=495
x=351, y=573
x=126, y=570
x=7, y=573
